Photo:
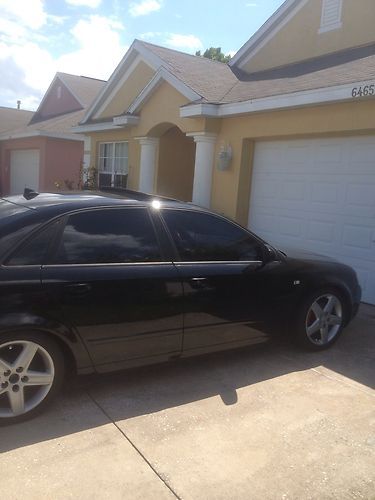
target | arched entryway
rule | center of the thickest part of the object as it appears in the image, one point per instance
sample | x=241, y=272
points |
x=175, y=166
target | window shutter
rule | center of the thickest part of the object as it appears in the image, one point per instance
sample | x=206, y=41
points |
x=331, y=15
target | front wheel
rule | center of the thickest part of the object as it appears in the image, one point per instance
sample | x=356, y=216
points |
x=321, y=320
x=31, y=373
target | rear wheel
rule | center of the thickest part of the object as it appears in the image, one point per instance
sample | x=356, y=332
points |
x=321, y=320
x=31, y=373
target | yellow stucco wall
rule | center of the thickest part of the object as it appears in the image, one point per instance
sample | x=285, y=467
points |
x=231, y=188
x=135, y=83
x=299, y=39
x=176, y=165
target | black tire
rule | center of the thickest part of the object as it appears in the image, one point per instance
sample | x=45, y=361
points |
x=48, y=354
x=307, y=319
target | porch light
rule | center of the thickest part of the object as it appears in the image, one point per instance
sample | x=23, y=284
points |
x=224, y=157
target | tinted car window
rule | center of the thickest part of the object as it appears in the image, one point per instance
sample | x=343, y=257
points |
x=108, y=236
x=34, y=250
x=204, y=237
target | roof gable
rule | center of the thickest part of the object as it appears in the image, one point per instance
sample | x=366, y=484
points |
x=301, y=30
x=67, y=93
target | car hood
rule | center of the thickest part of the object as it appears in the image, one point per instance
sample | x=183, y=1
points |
x=301, y=254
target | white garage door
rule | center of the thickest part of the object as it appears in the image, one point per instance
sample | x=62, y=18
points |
x=24, y=170
x=319, y=195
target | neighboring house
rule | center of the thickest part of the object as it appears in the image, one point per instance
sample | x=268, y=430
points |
x=282, y=139
x=38, y=150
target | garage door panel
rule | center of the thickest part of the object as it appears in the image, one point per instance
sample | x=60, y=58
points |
x=319, y=195
x=24, y=170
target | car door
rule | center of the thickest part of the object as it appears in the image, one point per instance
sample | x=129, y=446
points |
x=224, y=277
x=109, y=279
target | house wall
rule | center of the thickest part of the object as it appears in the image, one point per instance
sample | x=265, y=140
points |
x=231, y=188
x=135, y=83
x=176, y=165
x=59, y=160
x=62, y=161
x=299, y=39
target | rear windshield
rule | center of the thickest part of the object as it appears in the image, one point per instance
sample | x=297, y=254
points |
x=16, y=222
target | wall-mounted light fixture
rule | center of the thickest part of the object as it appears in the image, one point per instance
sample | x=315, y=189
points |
x=224, y=157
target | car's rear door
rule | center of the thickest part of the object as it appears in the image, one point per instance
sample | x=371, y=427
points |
x=111, y=281
x=225, y=281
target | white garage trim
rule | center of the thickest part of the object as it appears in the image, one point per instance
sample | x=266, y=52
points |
x=319, y=195
x=24, y=170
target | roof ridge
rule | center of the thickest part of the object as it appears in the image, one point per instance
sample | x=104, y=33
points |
x=80, y=76
x=16, y=109
x=180, y=52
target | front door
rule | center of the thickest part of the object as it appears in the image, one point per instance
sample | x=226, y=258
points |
x=224, y=279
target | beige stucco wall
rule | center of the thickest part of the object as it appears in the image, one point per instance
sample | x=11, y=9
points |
x=135, y=83
x=299, y=39
x=176, y=165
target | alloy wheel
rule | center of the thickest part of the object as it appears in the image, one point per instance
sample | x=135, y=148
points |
x=27, y=374
x=324, y=319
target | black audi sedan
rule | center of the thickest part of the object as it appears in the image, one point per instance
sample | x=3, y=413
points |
x=95, y=282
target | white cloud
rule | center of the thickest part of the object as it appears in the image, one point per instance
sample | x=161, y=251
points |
x=27, y=66
x=84, y=3
x=30, y=13
x=186, y=42
x=100, y=48
x=144, y=7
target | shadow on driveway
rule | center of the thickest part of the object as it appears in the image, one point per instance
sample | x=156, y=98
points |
x=89, y=400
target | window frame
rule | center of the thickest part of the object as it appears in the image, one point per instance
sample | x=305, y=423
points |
x=64, y=220
x=112, y=172
x=179, y=259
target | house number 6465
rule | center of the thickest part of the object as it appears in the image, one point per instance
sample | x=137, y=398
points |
x=363, y=91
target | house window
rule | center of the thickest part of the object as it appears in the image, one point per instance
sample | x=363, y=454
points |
x=331, y=15
x=113, y=164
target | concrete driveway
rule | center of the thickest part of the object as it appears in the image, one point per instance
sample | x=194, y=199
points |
x=268, y=422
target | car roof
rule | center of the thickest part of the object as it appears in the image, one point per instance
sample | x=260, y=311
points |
x=75, y=200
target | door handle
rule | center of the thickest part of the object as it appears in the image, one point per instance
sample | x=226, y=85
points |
x=198, y=282
x=78, y=288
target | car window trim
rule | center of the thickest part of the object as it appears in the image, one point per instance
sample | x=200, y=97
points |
x=165, y=225
x=65, y=219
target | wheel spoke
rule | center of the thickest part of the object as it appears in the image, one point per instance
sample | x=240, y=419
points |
x=3, y=390
x=38, y=378
x=313, y=328
x=332, y=302
x=317, y=310
x=4, y=366
x=324, y=334
x=16, y=400
x=26, y=356
x=334, y=320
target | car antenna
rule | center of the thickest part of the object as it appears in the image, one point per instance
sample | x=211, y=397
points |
x=29, y=194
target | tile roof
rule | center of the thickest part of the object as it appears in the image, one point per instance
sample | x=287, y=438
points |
x=11, y=118
x=349, y=66
x=210, y=79
x=58, y=125
x=83, y=87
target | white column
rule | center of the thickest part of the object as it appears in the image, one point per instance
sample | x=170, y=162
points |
x=204, y=162
x=86, y=158
x=149, y=148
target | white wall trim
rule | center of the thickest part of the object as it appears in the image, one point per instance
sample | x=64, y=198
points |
x=337, y=93
x=161, y=76
x=269, y=29
x=95, y=127
x=126, y=120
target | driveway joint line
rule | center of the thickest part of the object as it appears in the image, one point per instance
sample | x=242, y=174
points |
x=133, y=445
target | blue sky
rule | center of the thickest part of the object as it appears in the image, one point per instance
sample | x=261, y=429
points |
x=89, y=37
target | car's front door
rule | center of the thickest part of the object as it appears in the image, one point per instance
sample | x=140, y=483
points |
x=109, y=279
x=224, y=279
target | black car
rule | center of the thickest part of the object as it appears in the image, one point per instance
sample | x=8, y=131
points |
x=95, y=282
